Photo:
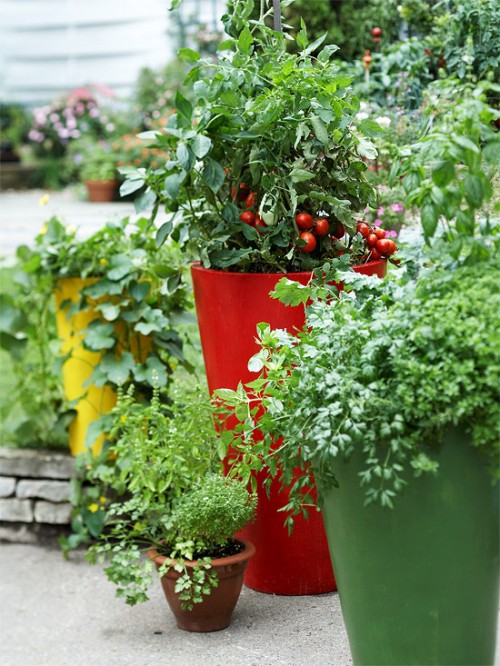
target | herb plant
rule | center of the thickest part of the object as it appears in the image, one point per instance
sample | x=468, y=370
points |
x=383, y=368
x=266, y=135
x=169, y=493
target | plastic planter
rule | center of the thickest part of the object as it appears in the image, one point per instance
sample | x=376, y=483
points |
x=229, y=307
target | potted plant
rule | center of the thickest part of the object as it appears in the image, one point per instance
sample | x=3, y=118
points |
x=121, y=309
x=98, y=172
x=390, y=396
x=265, y=178
x=170, y=498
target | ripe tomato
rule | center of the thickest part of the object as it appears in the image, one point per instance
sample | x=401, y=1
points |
x=379, y=233
x=247, y=217
x=259, y=222
x=320, y=227
x=304, y=220
x=250, y=200
x=386, y=247
x=310, y=240
x=363, y=229
x=372, y=240
x=375, y=254
x=242, y=194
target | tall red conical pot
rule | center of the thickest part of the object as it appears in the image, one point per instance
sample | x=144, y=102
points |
x=229, y=306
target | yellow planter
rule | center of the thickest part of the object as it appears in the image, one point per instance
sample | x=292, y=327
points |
x=93, y=401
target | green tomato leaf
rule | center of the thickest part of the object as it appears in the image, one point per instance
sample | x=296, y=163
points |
x=183, y=105
x=213, y=175
x=245, y=41
x=319, y=129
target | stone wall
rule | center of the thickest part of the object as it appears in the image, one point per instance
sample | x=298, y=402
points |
x=34, y=493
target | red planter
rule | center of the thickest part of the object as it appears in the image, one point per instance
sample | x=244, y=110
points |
x=229, y=307
x=101, y=191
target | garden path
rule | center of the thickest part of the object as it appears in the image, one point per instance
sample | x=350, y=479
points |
x=23, y=213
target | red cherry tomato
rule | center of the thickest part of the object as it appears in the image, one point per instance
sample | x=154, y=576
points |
x=375, y=254
x=386, y=247
x=379, y=233
x=310, y=240
x=376, y=32
x=259, y=222
x=321, y=227
x=242, y=194
x=372, y=240
x=250, y=200
x=247, y=217
x=363, y=229
x=304, y=220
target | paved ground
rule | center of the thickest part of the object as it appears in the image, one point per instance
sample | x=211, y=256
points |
x=22, y=216
x=64, y=613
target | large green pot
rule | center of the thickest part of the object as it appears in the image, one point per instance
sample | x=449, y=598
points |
x=418, y=584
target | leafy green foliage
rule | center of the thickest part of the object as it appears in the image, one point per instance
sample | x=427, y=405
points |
x=34, y=411
x=448, y=172
x=384, y=368
x=137, y=328
x=259, y=120
x=162, y=485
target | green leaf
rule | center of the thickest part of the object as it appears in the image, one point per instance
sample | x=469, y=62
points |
x=144, y=202
x=201, y=145
x=443, y=173
x=299, y=175
x=183, y=105
x=429, y=217
x=140, y=290
x=316, y=44
x=120, y=266
x=245, y=41
x=130, y=186
x=319, y=129
x=290, y=292
x=109, y=311
x=474, y=191
x=172, y=183
x=366, y=148
x=99, y=336
x=213, y=175
x=164, y=231
x=185, y=156
x=188, y=55
x=466, y=143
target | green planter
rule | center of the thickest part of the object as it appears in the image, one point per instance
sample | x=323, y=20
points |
x=418, y=584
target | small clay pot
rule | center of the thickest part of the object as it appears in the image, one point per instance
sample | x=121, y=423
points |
x=215, y=611
x=101, y=190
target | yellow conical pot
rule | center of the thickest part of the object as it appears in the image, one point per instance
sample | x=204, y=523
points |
x=93, y=401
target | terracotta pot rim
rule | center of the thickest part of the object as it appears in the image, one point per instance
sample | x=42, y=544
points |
x=246, y=554
x=196, y=266
x=101, y=182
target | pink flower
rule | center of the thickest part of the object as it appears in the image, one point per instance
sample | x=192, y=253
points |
x=397, y=207
x=391, y=233
x=380, y=211
x=377, y=222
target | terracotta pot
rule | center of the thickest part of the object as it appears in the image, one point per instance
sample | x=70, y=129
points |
x=229, y=306
x=101, y=190
x=216, y=610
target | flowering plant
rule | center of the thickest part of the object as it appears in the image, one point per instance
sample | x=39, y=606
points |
x=266, y=169
x=66, y=119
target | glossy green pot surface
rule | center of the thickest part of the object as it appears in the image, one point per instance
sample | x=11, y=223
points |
x=418, y=583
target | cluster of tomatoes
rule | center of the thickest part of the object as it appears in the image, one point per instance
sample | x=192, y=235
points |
x=378, y=245
x=310, y=228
